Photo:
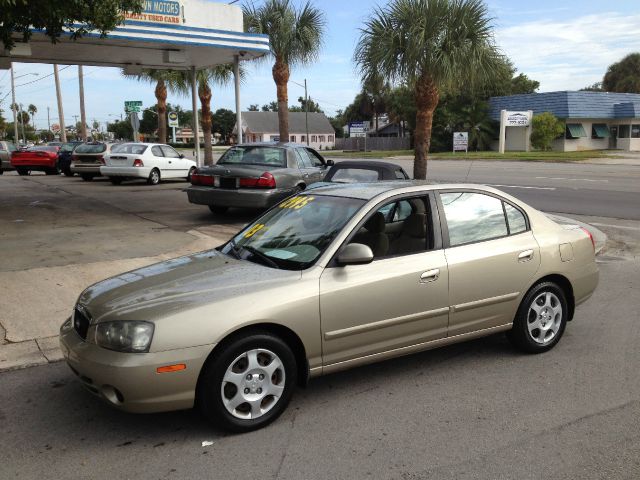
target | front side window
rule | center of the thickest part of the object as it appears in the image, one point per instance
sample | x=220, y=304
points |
x=254, y=155
x=473, y=217
x=315, y=158
x=169, y=152
x=294, y=234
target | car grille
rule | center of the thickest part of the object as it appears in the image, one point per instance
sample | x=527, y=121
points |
x=81, y=322
x=228, y=182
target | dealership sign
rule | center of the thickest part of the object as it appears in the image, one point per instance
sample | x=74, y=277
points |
x=158, y=11
x=517, y=119
x=358, y=129
x=460, y=141
x=173, y=119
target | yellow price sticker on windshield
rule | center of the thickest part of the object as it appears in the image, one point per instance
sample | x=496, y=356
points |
x=297, y=203
x=253, y=230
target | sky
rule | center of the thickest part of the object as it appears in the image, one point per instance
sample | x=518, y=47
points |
x=564, y=45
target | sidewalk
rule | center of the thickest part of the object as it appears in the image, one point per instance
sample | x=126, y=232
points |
x=32, y=333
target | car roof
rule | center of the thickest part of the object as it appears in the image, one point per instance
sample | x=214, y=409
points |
x=368, y=191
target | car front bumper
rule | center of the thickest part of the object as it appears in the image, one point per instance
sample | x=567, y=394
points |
x=133, y=172
x=129, y=381
x=240, y=198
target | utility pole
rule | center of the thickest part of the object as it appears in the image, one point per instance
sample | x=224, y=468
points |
x=83, y=117
x=48, y=119
x=306, y=110
x=63, y=130
x=13, y=108
x=24, y=138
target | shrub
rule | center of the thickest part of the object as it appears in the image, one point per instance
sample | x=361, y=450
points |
x=546, y=128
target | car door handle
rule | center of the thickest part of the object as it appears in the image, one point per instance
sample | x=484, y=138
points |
x=525, y=256
x=430, y=276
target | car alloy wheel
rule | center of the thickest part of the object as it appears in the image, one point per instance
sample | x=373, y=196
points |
x=154, y=177
x=253, y=384
x=541, y=319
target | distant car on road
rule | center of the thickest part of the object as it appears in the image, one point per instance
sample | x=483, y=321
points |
x=364, y=171
x=43, y=158
x=87, y=158
x=6, y=149
x=256, y=175
x=64, y=157
x=151, y=161
x=325, y=281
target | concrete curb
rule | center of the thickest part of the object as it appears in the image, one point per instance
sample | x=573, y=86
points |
x=41, y=351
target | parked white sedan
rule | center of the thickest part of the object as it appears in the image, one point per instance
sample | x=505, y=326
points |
x=152, y=161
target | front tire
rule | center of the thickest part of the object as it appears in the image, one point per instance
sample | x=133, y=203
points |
x=154, y=177
x=248, y=383
x=23, y=171
x=541, y=319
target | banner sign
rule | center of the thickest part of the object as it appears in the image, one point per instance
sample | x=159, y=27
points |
x=173, y=119
x=517, y=119
x=158, y=11
x=460, y=141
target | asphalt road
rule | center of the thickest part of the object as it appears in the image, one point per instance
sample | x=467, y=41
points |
x=472, y=411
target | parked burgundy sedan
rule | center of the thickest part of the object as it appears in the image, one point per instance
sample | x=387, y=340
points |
x=43, y=159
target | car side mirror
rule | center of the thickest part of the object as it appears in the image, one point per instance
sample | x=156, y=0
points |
x=181, y=155
x=330, y=163
x=355, y=254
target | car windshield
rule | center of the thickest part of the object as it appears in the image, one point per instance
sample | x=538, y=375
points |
x=68, y=147
x=91, y=148
x=252, y=155
x=294, y=233
x=135, y=148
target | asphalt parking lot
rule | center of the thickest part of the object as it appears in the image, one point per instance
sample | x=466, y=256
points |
x=475, y=410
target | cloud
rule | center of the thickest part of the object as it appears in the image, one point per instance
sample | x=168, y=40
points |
x=568, y=55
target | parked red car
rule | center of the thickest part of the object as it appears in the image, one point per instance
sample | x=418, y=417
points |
x=43, y=159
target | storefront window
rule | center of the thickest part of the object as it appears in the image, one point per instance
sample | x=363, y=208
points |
x=635, y=131
x=623, y=131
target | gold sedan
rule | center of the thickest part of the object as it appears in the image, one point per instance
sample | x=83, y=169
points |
x=338, y=276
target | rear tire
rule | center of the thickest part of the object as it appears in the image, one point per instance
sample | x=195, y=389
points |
x=218, y=210
x=541, y=319
x=116, y=180
x=23, y=171
x=154, y=177
x=87, y=177
x=233, y=401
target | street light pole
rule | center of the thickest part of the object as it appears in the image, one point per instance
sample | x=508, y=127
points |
x=306, y=110
x=83, y=117
x=13, y=108
x=63, y=130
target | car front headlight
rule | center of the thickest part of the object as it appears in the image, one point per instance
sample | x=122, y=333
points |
x=125, y=336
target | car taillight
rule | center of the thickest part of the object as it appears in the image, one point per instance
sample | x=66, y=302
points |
x=266, y=180
x=199, y=179
x=593, y=242
x=138, y=163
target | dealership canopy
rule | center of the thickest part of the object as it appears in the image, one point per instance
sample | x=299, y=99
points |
x=179, y=35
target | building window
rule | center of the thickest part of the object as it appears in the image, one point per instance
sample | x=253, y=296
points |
x=292, y=138
x=635, y=131
x=623, y=131
x=321, y=139
x=314, y=139
x=303, y=138
x=330, y=138
x=575, y=130
x=600, y=130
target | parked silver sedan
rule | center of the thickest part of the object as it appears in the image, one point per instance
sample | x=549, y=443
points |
x=256, y=175
x=332, y=278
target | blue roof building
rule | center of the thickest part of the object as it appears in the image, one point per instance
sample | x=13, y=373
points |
x=594, y=120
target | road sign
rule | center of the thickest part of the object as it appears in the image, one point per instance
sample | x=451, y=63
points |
x=173, y=119
x=460, y=141
x=133, y=106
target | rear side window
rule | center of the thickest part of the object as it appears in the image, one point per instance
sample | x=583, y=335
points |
x=156, y=151
x=517, y=222
x=91, y=148
x=134, y=148
x=473, y=217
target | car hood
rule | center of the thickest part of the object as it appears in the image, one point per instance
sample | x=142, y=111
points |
x=179, y=284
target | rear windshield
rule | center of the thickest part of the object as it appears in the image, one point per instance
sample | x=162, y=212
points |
x=43, y=149
x=355, y=175
x=250, y=155
x=68, y=147
x=135, y=148
x=91, y=148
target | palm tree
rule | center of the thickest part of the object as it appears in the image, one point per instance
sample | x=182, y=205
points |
x=32, y=109
x=220, y=75
x=430, y=45
x=295, y=38
x=160, y=78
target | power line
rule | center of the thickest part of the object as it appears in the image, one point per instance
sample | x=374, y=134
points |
x=41, y=78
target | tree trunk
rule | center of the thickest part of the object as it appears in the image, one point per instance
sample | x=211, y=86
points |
x=161, y=98
x=280, y=73
x=204, y=92
x=426, y=97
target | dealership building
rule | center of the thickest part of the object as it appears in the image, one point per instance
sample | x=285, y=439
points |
x=594, y=120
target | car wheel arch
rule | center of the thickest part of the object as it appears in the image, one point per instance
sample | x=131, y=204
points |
x=284, y=333
x=565, y=285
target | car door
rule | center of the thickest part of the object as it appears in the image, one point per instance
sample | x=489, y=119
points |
x=159, y=161
x=176, y=166
x=310, y=173
x=318, y=164
x=393, y=302
x=492, y=257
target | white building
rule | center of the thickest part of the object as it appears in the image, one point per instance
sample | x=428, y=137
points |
x=264, y=127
